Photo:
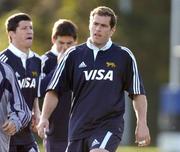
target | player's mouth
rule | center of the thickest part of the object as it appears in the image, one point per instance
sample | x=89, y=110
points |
x=97, y=35
x=29, y=38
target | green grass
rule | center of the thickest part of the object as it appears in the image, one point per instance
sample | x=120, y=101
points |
x=125, y=149
x=136, y=149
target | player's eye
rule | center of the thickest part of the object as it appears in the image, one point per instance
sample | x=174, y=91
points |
x=95, y=23
x=69, y=43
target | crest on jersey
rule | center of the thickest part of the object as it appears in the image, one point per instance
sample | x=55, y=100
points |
x=34, y=74
x=110, y=64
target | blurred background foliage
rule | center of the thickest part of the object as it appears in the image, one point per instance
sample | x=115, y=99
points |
x=144, y=29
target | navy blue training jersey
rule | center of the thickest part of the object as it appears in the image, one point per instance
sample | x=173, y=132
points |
x=49, y=61
x=98, y=79
x=58, y=127
x=27, y=72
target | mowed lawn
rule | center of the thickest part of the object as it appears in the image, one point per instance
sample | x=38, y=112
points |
x=126, y=149
x=136, y=149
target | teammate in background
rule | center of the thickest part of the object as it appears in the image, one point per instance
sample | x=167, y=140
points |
x=64, y=35
x=14, y=112
x=98, y=72
x=27, y=68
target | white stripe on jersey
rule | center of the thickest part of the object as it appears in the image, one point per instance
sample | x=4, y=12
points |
x=136, y=81
x=19, y=103
x=59, y=69
x=44, y=58
x=25, y=118
x=3, y=58
x=105, y=140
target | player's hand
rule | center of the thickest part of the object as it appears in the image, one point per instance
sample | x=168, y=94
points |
x=142, y=135
x=43, y=127
x=9, y=128
x=34, y=122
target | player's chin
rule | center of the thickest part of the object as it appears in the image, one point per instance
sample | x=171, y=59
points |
x=28, y=43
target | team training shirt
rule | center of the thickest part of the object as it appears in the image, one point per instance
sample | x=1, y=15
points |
x=98, y=79
x=12, y=104
x=49, y=62
x=58, y=127
x=27, y=70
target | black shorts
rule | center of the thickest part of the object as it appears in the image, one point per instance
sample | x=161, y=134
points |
x=33, y=147
x=55, y=146
x=102, y=140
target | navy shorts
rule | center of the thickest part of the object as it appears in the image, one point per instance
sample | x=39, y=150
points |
x=33, y=147
x=102, y=140
x=55, y=146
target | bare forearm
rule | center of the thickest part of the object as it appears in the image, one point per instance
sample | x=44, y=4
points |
x=50, y=103
x=36, y=109
x=140, y=108
x=142, y=131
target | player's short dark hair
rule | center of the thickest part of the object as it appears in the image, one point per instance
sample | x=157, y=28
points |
x=64, y=27
x=104, y=11
x=13, y=21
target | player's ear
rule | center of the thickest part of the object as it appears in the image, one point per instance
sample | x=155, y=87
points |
x=113, y=30
x=75, y=42
x=11, y=35
x=90, y=26
x=53, y=39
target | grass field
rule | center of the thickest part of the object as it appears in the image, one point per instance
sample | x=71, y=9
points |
x=135, y=149
x=126, y=149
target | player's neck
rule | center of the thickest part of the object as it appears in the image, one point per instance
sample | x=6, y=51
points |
x=22, y=49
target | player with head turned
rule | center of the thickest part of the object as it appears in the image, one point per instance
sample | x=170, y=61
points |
x=98, y=72
x=14, y=112
x=27, y=68
x=64, y=35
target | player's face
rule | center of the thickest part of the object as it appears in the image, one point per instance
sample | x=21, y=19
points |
x=100, y=30
x=62, y=43
x=23, y=36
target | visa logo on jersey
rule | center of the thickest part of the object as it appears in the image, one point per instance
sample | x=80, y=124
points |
x=27, y=83
x=98, y=75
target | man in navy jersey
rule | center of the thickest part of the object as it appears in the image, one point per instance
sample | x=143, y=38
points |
x=98, y=72
x=14, y=112
x=64, y=35
x=27, y=68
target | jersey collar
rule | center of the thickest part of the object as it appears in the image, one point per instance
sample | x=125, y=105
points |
x=19, y=53
x=93, y=47
x=96, y=49
x=54, y=50
x=23, y=56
